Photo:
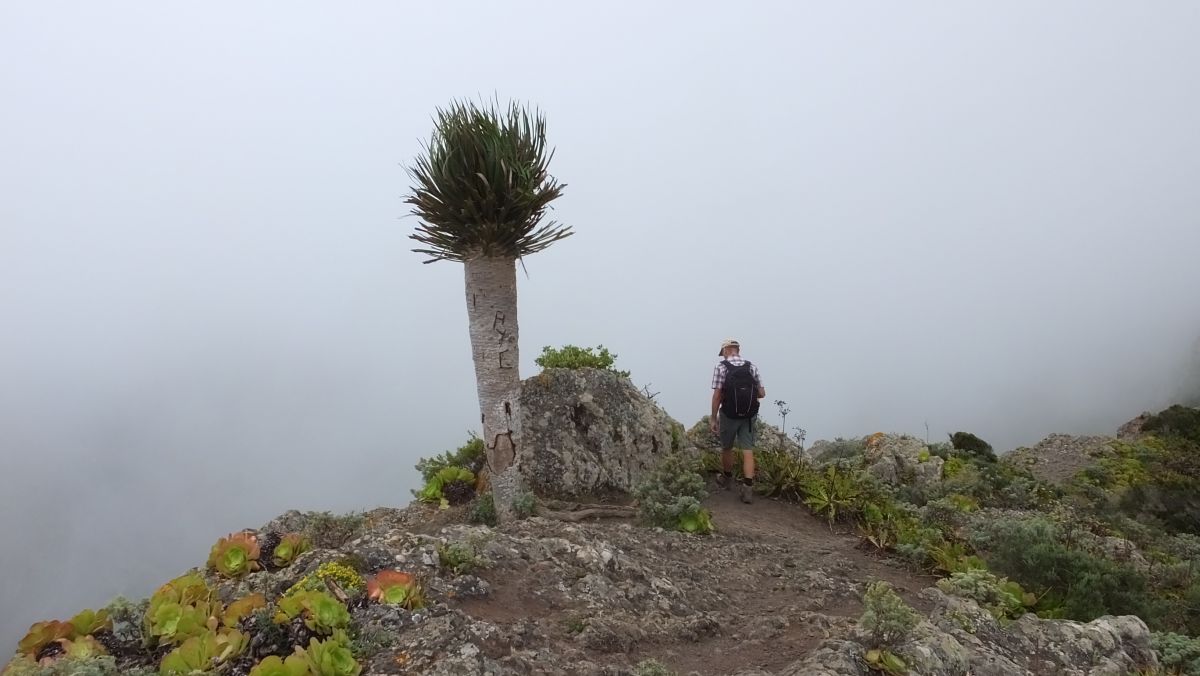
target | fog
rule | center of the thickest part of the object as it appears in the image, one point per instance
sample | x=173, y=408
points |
x=909, y=215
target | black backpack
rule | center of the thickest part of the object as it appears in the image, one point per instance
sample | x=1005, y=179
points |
x=739, y=399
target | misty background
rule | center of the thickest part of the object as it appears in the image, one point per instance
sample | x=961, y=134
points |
x=979, y=219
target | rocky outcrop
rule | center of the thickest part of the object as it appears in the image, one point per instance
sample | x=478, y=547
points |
x=588, y=432
x=1132, y=430
x=959, y=637
x=1059, y=457
x=901, y=459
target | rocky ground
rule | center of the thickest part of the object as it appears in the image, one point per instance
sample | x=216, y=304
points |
x=773, y=591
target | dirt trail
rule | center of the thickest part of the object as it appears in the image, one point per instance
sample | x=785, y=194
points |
x=769, y=614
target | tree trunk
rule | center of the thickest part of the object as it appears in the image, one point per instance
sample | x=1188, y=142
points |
x=492, y=315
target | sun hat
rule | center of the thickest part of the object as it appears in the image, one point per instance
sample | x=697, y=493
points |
x=728, y=342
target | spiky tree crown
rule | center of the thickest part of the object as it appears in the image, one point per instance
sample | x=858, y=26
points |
x=482, y=185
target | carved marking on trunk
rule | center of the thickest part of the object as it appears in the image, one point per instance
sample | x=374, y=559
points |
x=506, y=361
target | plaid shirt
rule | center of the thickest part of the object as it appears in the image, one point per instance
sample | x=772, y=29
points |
x=718, y=378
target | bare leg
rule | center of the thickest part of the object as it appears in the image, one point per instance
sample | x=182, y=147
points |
x=747, y=463
x=727, y=460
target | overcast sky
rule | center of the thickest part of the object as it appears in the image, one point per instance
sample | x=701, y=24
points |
x=909, y=213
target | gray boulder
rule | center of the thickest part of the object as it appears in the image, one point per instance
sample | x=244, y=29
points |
x=589, y=432
x=958, y=637
x=1059, y=457
x=897, y=459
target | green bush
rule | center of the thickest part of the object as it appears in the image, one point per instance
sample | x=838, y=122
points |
x=524, y=505
x=470, y=456
x=457, y=557
x=670, y=495
x=1000, y=597
x=1177, y=421
x=973, y=445
x=483, y=510
x=779, y=473
x=1179, y=653
x=572, y=357
x=1071, y=582
x=886, y=618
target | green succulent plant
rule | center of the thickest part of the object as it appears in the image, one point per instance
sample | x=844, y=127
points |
x=696, y=521
x=242, y=607
x=885, y=661
x=204, y=653
x=321, y=612
x=42, y=634
x=289, y=547
x=432, y=491
x=173, y=623
x=332, y=657
x=89, y=621
x=235, y=556
x=83, y=648
x=294, y=665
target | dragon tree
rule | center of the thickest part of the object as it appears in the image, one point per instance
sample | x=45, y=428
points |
x=481, y=192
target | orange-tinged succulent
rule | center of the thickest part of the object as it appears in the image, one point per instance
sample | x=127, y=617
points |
x=397, y=588
x=236, y=555
x=42, y=634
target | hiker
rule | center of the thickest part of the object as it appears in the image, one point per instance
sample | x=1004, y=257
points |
x=737, y=387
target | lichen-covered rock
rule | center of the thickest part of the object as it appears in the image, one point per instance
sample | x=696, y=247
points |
x=1059, y=457
x=897, y=459
x=589, y=432
x=1132, y=430
x=958, y=637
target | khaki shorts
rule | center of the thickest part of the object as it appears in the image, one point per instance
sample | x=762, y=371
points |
x=736, y=432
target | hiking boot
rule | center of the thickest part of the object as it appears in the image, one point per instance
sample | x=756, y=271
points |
x=747, y=494
x=723, y=482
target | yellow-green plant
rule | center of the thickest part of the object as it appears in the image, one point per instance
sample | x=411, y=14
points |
x=235, y=556
x=832, y=493
x=90, y=621
x=42, y=634
x=290, y=546
x=204, y=653
x=180, y=609
x=331, y=657
x=321, y=612
x=294, y=665
x=885, y=661
x=434, y=489
x=340, y=574
x=242, y=607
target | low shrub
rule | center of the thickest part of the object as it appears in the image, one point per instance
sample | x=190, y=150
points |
x=572, y=357
x=670, y=495
x=325, y=530
x=886, y=618
x=1179, y=653
x=470, y=456
x=1071, y=582
x=973, y=445
x=483, y=510
x=1000, y=597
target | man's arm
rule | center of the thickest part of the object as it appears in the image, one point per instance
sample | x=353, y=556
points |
x=716, y=404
